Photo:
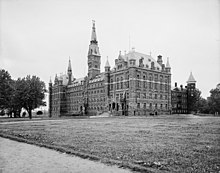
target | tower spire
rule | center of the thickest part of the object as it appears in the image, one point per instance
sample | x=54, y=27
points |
x=191, y=78
x=94, y=56
x=168, y=63
x=93, y=37
x=69, y=66
x=69, y=72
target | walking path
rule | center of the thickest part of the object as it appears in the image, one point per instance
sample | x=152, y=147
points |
x=21, y=157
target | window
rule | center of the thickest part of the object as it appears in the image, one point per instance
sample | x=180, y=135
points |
x=156, y=106
x=144, y=95
x=150, y=106
x=161, y=106
x=166, y=87
x=111, y=85
x=144, y=105
x=161, y=97
x=121, y=82
x=155, y=96
x=165, y=97
x=150, y=95
x=150, y=85
x=156, y=77
x=138, y=105
x=117, y=83
x=155, y=86
x=161, y=87
x=137, y=81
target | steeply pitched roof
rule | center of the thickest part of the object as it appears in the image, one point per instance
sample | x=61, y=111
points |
x=107, y=63
x=147, y=59
x=69, y=66
x=191, y=78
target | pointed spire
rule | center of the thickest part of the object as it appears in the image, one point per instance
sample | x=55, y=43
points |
x=69, y=66
x=50, y=80
x=191, y=78
x=107, y=63
x=93, y=37
x=119, y=56
x=56, y=79
x=168, y=64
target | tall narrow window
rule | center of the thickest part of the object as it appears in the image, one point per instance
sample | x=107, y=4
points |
x=117, y=83
x=121, y=82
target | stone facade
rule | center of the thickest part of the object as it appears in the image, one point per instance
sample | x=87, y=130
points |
x=137, y=85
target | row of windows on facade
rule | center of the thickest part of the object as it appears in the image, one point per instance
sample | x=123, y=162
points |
x=144, y=106
x=78, y=88
x=122, y=85
x=151, y=106
x=89, y=108
x=74, y=101
x=144, y=77
x=140, y=95
x=179, y=94
x=182, y=101
x=179, y=111
x=182, y=106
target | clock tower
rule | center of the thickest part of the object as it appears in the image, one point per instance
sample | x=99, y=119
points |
x=94, y=57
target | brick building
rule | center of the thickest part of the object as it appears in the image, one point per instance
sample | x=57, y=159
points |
x=180, y=96
x=136, y=85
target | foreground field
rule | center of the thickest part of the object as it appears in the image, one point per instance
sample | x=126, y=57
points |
x=177, y=143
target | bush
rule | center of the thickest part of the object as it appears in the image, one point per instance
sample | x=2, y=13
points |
x=2, y=112
x=39, y=113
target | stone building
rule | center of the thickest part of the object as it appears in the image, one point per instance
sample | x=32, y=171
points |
x=180, y=96
x=136, y=85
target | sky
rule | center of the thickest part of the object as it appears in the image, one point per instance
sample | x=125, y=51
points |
x=38, y=37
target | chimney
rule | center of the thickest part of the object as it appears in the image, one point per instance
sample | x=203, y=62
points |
x=159, y=60
x=175, y=84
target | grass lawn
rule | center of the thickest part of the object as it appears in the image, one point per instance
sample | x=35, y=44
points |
x=175, y=143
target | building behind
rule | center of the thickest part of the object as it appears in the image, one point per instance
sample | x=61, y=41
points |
x=136, y=85
x=180, y=97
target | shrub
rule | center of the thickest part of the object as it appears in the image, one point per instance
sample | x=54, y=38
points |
x=39, y=112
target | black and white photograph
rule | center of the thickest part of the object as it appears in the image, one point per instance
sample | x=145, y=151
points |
x=109, y=86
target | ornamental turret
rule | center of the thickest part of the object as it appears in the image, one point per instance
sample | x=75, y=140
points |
x=168, y=68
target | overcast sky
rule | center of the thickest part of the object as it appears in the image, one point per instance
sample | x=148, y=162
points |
x=38, y=36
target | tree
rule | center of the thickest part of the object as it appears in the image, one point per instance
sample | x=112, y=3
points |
x=193, y=100
x=203, y=106
x=32, y=93
x=19, y=88
x=214, y=100
x=5, y=89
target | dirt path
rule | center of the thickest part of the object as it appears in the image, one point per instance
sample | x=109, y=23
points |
x=26, y=158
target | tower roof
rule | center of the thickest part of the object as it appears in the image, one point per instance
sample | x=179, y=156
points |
x=191, y=78
x=93, y=37
x=50, y=80
x=107, y=63
x=69, y=66
x=168, y=64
